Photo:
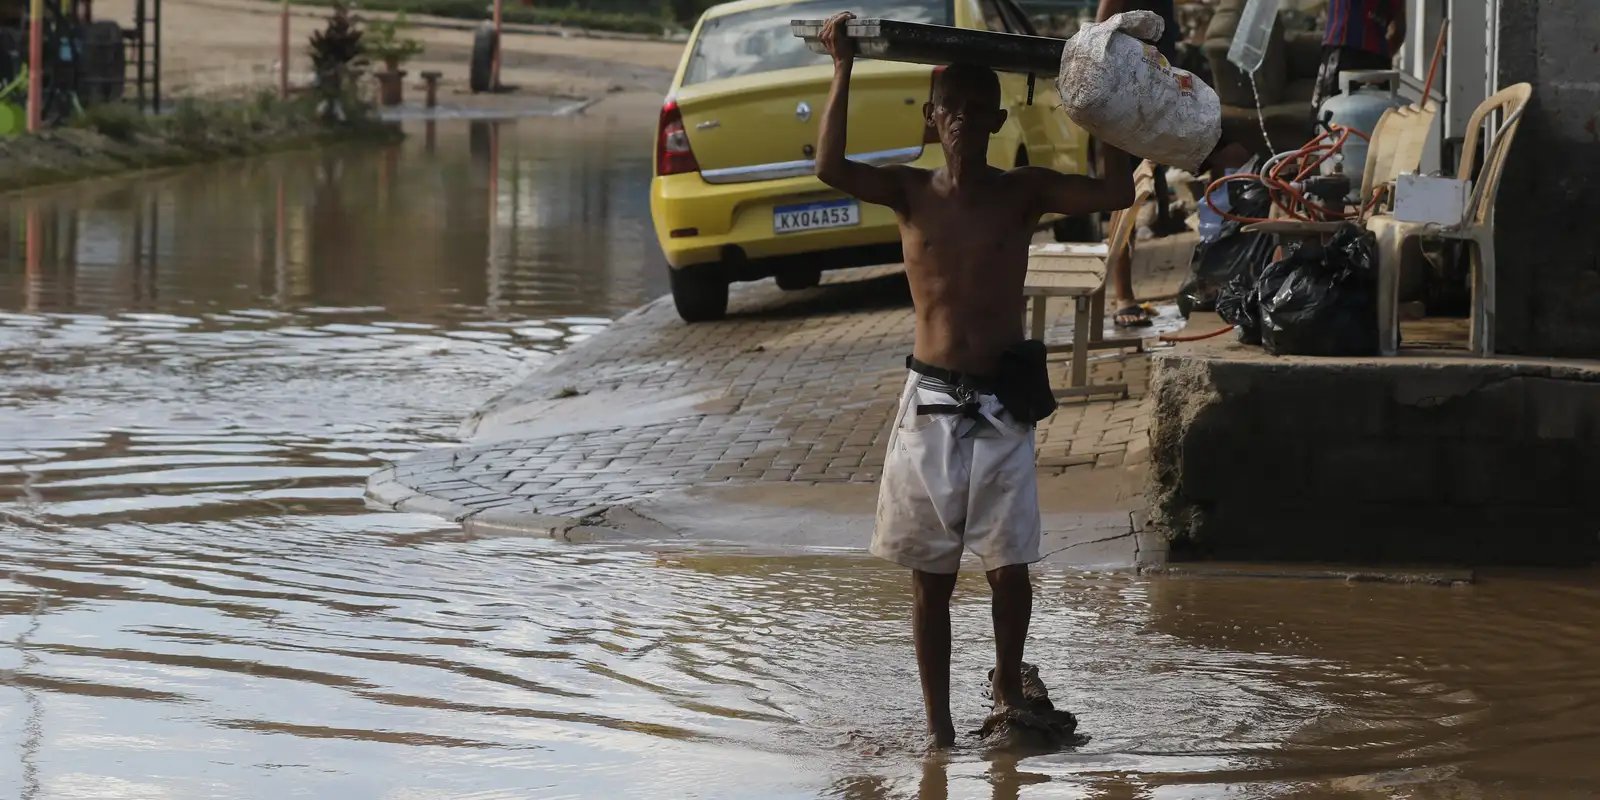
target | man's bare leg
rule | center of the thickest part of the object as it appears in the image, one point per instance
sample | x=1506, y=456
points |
x=930, y=626
x=1127, y=311
x=1012, y=606
x=1164, y=224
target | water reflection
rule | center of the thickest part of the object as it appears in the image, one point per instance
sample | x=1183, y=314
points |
x=528, y=217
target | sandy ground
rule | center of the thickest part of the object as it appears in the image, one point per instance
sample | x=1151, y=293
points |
x=212, y=47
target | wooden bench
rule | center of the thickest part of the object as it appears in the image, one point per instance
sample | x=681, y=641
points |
x=1079, y=271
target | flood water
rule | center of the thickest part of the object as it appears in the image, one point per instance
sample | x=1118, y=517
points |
x=200, y=368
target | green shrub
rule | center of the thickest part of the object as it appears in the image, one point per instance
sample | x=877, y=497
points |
x=652, y=20
x=386, y=40
x=119, y=121
x=187, y=122
x=583, y=18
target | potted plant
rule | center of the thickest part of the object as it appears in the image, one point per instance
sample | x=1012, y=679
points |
x=337, y=54
x=386, y=42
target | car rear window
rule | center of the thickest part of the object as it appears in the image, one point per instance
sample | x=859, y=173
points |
x=759, y=40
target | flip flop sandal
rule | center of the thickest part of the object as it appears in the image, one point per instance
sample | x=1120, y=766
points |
x=1139, y=317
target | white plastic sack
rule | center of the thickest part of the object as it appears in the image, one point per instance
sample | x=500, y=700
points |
x=1124, y=92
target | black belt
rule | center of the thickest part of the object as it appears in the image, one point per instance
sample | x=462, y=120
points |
x=966, y=380
x=962, y=386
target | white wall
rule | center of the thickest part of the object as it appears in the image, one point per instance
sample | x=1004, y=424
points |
x=1466, y=75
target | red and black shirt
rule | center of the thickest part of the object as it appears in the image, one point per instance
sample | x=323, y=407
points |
x=1360, y=24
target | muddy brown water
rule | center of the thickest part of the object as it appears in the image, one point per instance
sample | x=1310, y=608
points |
x=199, y=369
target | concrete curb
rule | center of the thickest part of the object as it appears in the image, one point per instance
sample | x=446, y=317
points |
x=385, y=492
x=577, y=106
x=1424, y=577
x=441, y=23
x=499, y=522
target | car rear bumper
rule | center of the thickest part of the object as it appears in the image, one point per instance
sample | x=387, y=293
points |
x=699, y=222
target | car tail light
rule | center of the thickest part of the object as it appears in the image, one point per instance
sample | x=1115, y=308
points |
x=673, y=154
x=930, y=134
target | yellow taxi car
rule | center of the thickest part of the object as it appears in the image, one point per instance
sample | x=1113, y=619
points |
x=734, y=198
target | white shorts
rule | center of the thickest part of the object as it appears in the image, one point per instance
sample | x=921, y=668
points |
x=950, y=480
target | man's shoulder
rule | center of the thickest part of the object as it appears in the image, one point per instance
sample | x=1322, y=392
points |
x=908, y=171
x=906, y=177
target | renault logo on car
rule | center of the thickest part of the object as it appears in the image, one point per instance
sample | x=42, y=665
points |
x=803, y=111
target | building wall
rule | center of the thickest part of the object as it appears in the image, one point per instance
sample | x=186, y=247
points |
x=1377, y=460
x=1547, y=240
x=1466, y=63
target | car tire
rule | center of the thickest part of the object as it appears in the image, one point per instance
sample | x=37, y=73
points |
x=699, y=292
x=104, y=61
x=481, y=69
x=792, y=280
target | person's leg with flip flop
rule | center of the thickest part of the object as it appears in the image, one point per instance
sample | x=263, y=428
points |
x=1129, y=314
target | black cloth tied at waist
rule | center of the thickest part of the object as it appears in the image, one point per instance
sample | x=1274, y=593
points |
x=960, y=385
x=968, y=409
x=1021, y=384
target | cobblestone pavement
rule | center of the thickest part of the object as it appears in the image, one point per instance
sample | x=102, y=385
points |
x=798, y=387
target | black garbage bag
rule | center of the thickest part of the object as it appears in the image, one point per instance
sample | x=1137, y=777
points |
x=1249, y=198
x=1327, y=301
x=1249, y=265
x=1216, y=262
x=1219, y=263
x=1240, y=304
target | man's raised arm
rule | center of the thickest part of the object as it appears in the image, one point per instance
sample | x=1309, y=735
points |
x=1071, y=195
x=870, y=184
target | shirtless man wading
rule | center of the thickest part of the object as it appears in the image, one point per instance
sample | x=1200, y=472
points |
x=960, y=467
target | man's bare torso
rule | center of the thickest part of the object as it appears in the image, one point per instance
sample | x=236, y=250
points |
x=966, y=252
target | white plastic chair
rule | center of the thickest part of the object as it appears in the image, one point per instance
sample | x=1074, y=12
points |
x=1476, y=226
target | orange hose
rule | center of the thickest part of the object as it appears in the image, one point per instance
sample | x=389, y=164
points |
x=1277, y=188
x=1377, y=194
x=1237, y=176
x=1433, y=65
x=1326, y=153
x=1172, y=337
x=1282, y=192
